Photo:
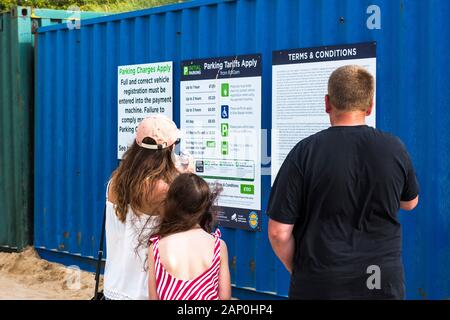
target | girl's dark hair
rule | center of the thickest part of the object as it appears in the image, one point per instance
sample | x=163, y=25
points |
x=189, y=202
x=135, y=178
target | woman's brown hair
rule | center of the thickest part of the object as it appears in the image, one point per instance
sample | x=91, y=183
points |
x=188, y=203
x=134, y=181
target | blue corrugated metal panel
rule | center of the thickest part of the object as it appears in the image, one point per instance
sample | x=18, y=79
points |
x=77, y=94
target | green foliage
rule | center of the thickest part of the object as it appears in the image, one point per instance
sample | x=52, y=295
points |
x=122, y=6
x=6, y=4
x=87, y=5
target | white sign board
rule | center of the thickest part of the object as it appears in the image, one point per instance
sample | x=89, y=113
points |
x=143, y=90
x=220, y=102
x=299, y=85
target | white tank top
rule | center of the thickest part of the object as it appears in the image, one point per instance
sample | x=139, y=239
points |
x=125, y=276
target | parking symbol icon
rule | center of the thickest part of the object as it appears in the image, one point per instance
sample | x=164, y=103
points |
x=224, y=112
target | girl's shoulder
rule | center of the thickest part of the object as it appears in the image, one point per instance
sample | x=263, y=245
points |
x=188, y=236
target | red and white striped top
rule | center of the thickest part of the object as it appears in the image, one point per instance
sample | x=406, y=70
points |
x=203, y=287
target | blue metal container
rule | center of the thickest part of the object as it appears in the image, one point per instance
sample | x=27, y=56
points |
x=76, y=112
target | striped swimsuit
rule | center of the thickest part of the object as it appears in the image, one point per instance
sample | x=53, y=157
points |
x=203, y=287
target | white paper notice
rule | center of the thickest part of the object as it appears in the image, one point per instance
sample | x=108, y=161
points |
x=299, y=85
x=143, y=90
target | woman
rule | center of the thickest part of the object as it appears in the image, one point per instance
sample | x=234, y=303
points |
x=134, y=199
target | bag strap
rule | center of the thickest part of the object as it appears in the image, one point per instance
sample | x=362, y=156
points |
x=100, y=255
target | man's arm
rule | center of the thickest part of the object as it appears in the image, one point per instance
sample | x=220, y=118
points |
x=409, y=197
x=409, y=205
x=282, y=241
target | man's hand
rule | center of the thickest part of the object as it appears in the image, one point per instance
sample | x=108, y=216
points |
x=282, y=241
x=409, y=205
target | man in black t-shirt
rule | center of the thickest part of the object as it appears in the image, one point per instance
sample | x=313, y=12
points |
x=334, y=204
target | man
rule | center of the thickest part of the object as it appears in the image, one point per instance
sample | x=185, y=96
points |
x=334, y=205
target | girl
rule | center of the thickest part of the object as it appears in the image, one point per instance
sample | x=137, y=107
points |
x=188, y=262
x=135, y=195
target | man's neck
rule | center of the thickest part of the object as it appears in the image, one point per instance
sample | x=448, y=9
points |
x=354, y=118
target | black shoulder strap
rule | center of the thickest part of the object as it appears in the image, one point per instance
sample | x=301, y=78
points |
x=100, y=255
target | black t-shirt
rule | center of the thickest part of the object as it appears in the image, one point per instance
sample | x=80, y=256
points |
x=341, y=189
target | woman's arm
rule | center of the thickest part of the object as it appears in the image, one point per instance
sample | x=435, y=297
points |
x=152, y=293
x=224, y=273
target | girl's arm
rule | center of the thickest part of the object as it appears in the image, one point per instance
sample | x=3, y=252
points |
x=224, y=273
x=152, y=294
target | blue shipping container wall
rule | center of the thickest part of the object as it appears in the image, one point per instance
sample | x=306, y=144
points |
x=76, y=113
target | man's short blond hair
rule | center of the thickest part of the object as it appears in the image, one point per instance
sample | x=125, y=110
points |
x=351, y=88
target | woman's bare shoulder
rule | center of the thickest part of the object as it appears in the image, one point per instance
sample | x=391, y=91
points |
x=154, y=195
x=161, y=186
x=156, y=189
x=111, y=195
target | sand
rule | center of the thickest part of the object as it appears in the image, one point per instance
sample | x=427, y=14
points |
x=25, y=275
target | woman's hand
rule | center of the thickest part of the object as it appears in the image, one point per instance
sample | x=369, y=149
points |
x=185, y=165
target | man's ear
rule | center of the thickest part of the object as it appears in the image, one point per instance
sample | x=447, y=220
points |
x=327, y=104
x=369, y=111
